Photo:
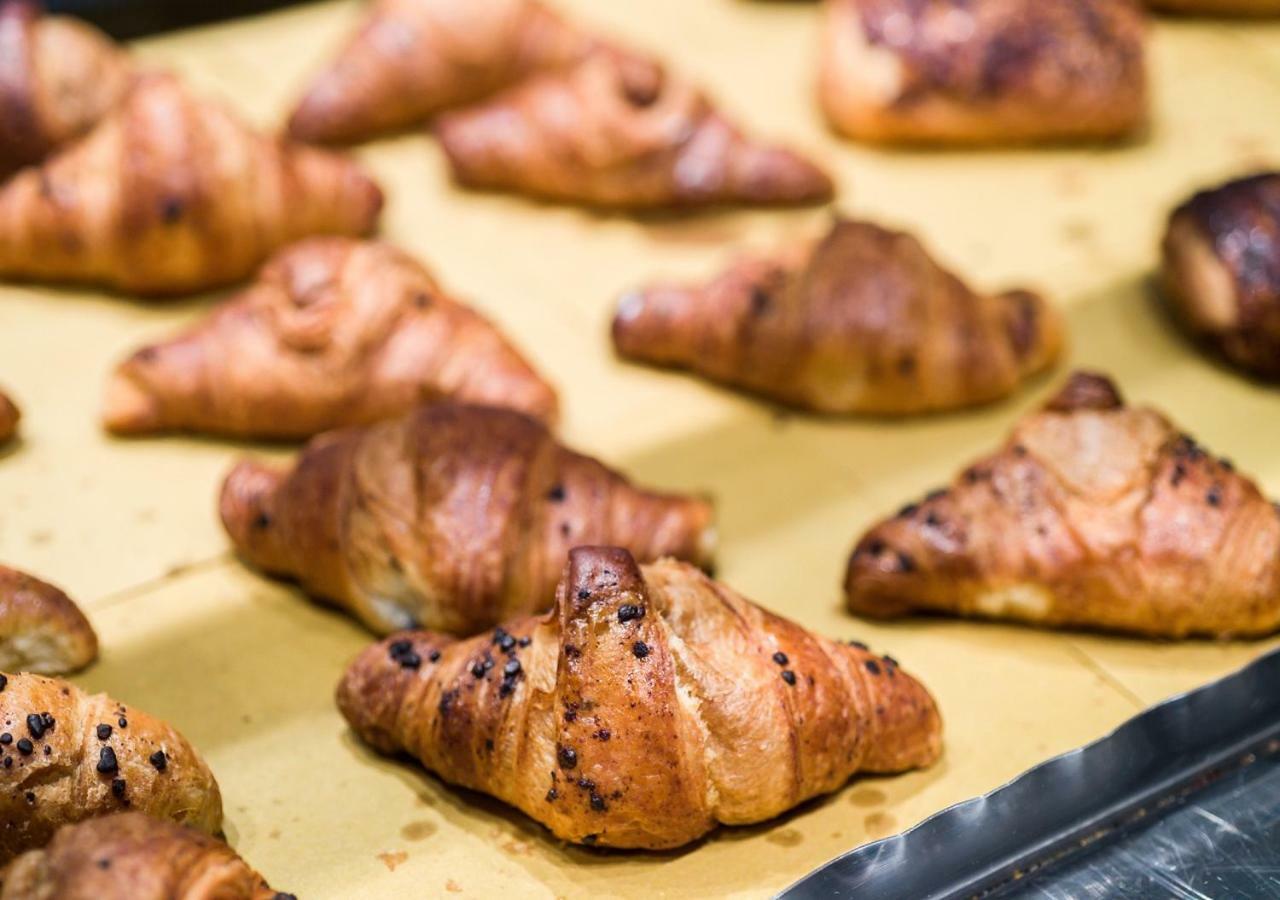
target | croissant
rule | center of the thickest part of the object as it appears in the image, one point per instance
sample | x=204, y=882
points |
x=861, y=321
x=411, y=59
x=41, y=628
x=619, y=131
x=952, y=71
x=1093, y=514
x=67, y=756
x=1221, y=270
x=9, y=416
x=58, y=78
x=129, y=856
x=171, y=195
x=452, y=517
x=647, y=707
x=334, y=332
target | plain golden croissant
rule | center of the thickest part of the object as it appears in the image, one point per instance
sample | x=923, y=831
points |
x=1093, y=514
x=452, y=517
x=953, y=71
x=41, y=628
x=860, y=321
x=67, y=756
x=1222, y=270
x=9, y=417
x=647, y=707
x=411, y=59
x=129, y=856
x=334, y=332
x=172, y=194
x=619, y=131
x=58, y=78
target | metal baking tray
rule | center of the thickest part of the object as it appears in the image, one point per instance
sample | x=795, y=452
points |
x=1181, y=801
x=124, y=19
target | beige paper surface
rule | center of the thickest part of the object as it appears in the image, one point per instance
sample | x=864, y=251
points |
x=246, y=668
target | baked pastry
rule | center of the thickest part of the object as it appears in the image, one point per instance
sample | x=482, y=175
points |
x=67, y=756
x=861, y=321
x=649, y=706
x=1093, y=514
x=452, y=517
x=956, y=72
x=619, y=131
x=334, y=332
x=411, y=59
x=1218, y=7
x=1221, y=270
x=58, y=78
x=172, y=194
x=9, y=417
x=41, y=628
x=129, y=856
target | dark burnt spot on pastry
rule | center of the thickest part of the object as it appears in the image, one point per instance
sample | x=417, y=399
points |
x=48, y=751
x=104, y=863
x=597, y=803
x=25, y=747
x=859, y=644
x=789, y=677
x=1019, y=450
x=628, y=612
x=565, y=530
x=760, y=300
x=602, y=734
x=932, y=520
x=421, y=300
x=172, y=210
x=159, y=761
x=639, y=649
x=780, y=658
x=488, y=745
x=1214, y=496
x=570, y=715
x=875, y=547
x=872, y=666
x=104, y=732
x=552, y=794
x=556, y=494
x=567, y=757
x=447, y=700
x=434, y=656
x=906, y=365
x=905, y=563
x=571, y=652
x=261, y=521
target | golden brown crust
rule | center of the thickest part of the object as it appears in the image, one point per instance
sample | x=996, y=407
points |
x=619, y=131
x=452, y=517
x=139, y=763
x=862, y=321
x=1092, y=515
x=411, y=59
x=334, y=332
x=172, y=194
x=10, y=415
x=647, y=707
x=58, y=78
x=41, y=628
x=949, y=71
x=129, y=856
x=1221, y=272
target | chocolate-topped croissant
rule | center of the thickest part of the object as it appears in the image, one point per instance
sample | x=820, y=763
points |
x=67, y=756
x=41, y=628
x=411, y=59
x=1092, y=514
x=649, y=706
x=452, y=517
x=9, y=417
x=861, y=321
x=172, y=194
x=1221, y=271
x=334, y=332
x=58, y=78
x=957, y=72
x=129, y=856
x=619, y=131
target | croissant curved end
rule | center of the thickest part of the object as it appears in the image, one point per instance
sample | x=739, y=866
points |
x=128, y=407
x=246, y=507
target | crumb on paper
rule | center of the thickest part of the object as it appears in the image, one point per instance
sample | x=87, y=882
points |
x=393, y=858
x=453, y=887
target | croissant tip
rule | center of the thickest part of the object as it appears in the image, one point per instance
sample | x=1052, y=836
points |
x=1086, y=390
x=592, y=572
x=245, y=505
x=128, y=408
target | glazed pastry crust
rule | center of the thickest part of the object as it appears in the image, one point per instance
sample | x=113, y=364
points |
x=40, y=792
x=452, y=517
x=1001, y=71
x=130, y=856
x=649, y=706
x=619, y=131
x=861, y=321
x=334, y=332
x=172, y=194
x=1221, y=272
x=9, y=417
x=41, y=628
x=1093, y=515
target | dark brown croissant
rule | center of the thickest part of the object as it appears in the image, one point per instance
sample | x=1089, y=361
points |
x=67, y=756
x=1222, y=270
x=411, y=59
x=645, y=709
x=58, y=78
x=171, y=195
x=953, y=71
x=41, y=628
x=334, y=332
x=129, y=856
x=452, y=517
x=1092, y=514
x=619, y=131
x=9, y=417
x=860, y=321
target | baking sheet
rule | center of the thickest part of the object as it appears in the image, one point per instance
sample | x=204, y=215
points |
x=246, y=668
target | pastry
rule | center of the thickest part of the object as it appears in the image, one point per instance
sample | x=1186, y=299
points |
x=9, y=416
x=41, y=628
